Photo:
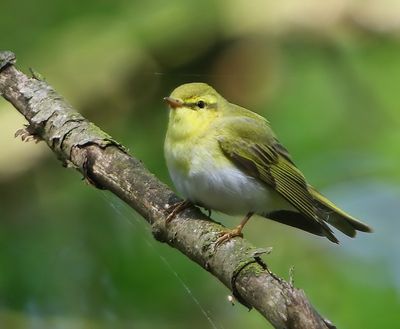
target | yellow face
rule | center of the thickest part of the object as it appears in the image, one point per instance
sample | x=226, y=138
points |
x=194, y=107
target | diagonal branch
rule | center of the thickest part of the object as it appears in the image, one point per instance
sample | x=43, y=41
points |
x=105, y=163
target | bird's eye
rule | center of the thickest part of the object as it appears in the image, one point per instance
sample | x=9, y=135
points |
x=201, y=104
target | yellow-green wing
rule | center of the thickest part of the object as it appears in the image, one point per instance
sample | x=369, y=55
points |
x=248, y=141
x=266, y=164
x=264, y=158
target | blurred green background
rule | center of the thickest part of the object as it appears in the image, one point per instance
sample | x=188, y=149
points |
x=325, y=73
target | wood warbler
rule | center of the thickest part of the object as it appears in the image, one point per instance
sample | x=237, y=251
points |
x=224, y=157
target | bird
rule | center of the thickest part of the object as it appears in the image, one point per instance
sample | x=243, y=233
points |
x=223, y=157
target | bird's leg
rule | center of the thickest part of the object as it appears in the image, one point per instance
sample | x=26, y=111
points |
x=177, y=208
x=226, y=235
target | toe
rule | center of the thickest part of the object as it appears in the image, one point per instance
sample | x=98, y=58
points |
x=175, y=209
x=227, y=235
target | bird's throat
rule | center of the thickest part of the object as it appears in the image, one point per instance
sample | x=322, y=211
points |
x=186, y=124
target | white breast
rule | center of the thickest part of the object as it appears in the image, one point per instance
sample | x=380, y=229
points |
x=224, y=188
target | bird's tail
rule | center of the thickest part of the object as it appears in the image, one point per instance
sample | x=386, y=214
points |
x=325, y=212
x=337, y=217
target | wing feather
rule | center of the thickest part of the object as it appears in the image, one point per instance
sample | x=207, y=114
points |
x=266, y=163
x=250, y=144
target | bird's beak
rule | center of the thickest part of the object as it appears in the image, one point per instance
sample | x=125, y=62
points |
x=173, y=102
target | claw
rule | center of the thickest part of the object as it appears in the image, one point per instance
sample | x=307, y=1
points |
x=177, y=208
x=27, y=135
x=237, y=231
x=228, y=234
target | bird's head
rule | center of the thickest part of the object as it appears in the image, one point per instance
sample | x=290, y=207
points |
x=194, y=96
x=193, y=107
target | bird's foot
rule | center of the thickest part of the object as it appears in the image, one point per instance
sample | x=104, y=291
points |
x=27, y=134
x=176, y=208
x=226, y=235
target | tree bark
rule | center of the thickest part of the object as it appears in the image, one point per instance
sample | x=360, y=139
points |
x=106, y=164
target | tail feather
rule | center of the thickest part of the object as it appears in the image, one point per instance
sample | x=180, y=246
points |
x=325, y=212
x=337, y=217
x=301, y=221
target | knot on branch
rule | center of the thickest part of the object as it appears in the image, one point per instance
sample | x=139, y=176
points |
x=253, y=258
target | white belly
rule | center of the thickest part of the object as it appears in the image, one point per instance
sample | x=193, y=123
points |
x=226, y=189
